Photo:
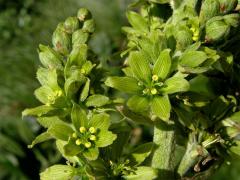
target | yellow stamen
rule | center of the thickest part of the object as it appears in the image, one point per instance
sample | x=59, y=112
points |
x=74, y=135
x=155, y=77
x=92, y=130
x=153, y=91
x=87, y=144
x=78, y=142
x=82, y=129
x=92, y=138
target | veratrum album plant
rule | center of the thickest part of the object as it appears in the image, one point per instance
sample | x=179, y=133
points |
x=179, y=86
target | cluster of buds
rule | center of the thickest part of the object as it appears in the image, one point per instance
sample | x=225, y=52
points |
x=73, y=32
x=85, y=137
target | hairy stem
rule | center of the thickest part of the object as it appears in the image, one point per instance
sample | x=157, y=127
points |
x=163, y=157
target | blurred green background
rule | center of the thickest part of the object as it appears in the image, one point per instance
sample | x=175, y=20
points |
x=23, y=25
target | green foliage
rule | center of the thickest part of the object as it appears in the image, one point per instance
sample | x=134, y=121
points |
x=180, y=78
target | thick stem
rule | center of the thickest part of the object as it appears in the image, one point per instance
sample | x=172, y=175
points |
x=163, y=157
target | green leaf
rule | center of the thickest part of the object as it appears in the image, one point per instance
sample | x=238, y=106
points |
x=142, y=173
x=138, y=103
x=101, y=121
x=137, y=21
x=97, y=100
x=202, y=85
x=60, y=131
x=71, y=149
x=40, y=138
x=209, y=9
x=38, y=111
x=78, y=116
x=85, y=90
x=140, y=153
x=125, y=84
x=48, y=77
x=175, y=84
x=193, y=58
x=91, y=154
x=105, y=138
x=140, y=65
x=47, y=122
x=58, y=172
x=87, y=67
x=163, y=64
x=161, y=107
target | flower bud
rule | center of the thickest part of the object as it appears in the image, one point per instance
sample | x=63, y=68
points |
x=216, y=30
x=183, y=38
x=92, y=130
x=209, y=9
x=82, y=129
x=83, y=14
x=79, y=37
x=232, y=19
x=49, y=58
x=227, y=6
x=87, y=144
x=89, y=26
x=61, y=40
x=71, y=24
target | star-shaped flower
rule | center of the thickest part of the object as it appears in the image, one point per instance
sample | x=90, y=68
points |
x=149, y=82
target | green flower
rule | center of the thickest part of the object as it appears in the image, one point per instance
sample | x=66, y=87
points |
x=149, y=83
x=89, y=134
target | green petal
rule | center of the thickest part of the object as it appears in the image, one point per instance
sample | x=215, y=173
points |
x=40, y=138
x=48, y=77
x=175, y=84
x=105, y=138
x=38, y=111
x=91, y=154
x=161, y=107
x=97, y=100
x=193, y=58
x=137, y=21
x=142, y=173
x=79, y=116
x=58, y=172
x=140, y=66
x=43, y=93
x=125, y=84
x=85, y=90
x=47, y=122
x=100, y=121
x=163, y=64
x=71, y=149
x=138, y=103
x=60, y=131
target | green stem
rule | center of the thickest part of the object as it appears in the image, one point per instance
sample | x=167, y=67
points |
x=163, y=157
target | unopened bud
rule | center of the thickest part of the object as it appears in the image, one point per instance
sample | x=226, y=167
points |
x=71, y=24
x=79, y=37
x=89, y=26
x=83, y=14
x=227, y=5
